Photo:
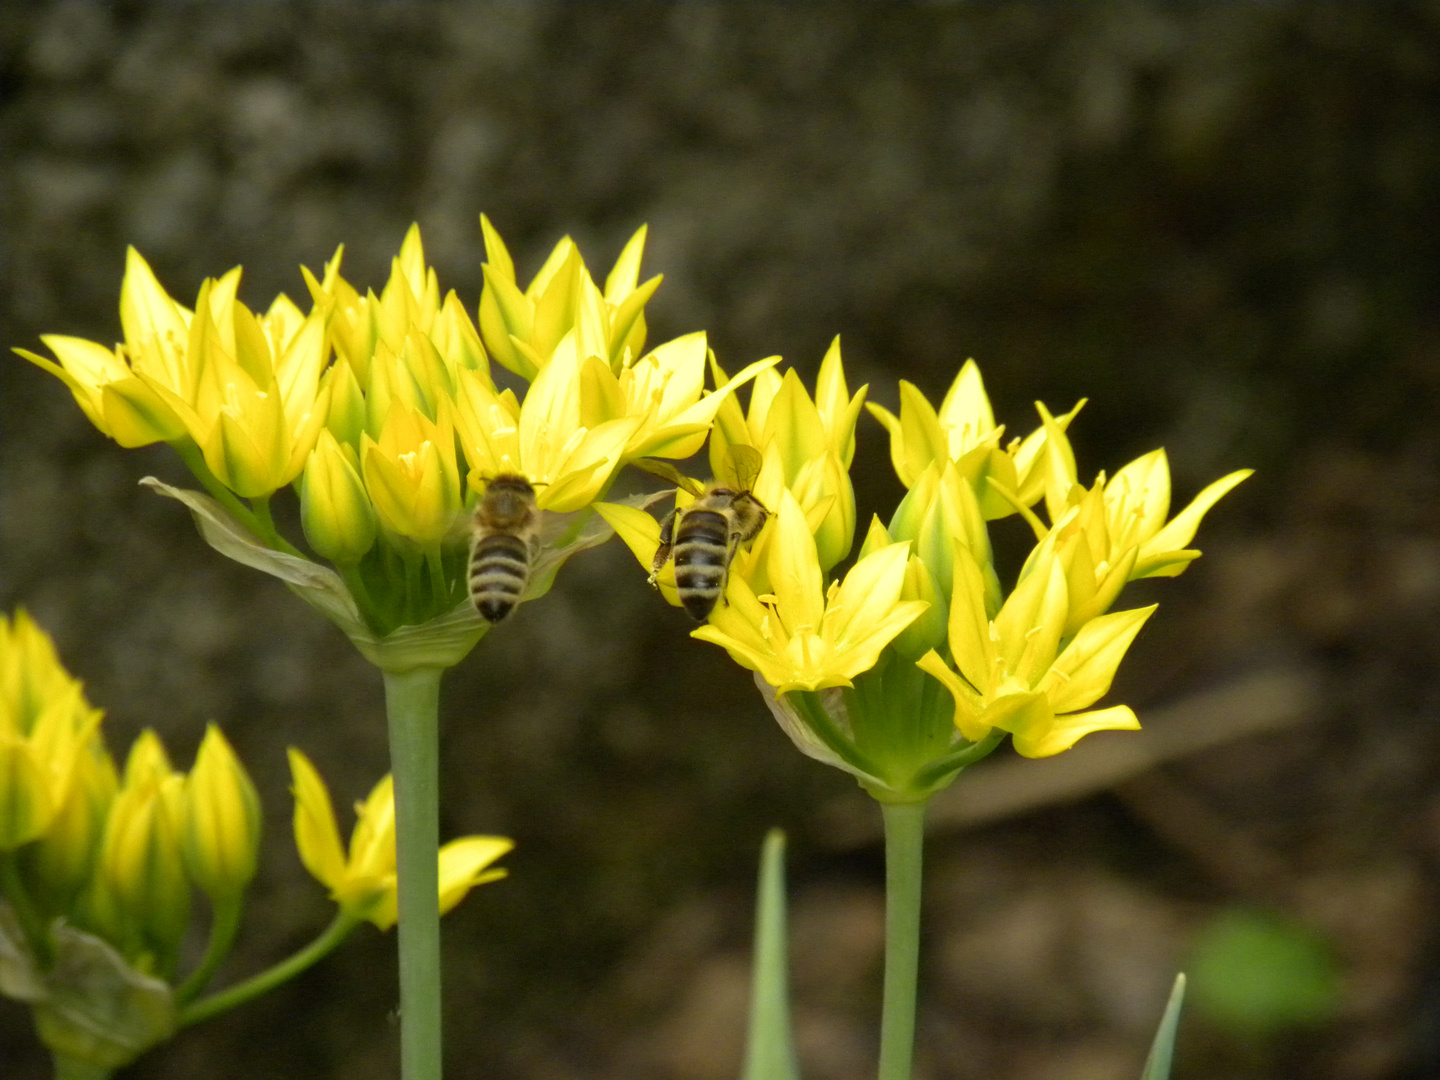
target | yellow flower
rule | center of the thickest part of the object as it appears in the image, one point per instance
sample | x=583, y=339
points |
x=335, y=511
x=142, y=885
x=545, y=439
x=246, y=390
x=117, y=389
x=940, y=511
x=222, y=820
x=964, y=431
x=407, y=315
x=801, y=637
x=46, y=726
x=666, y=388
x=411, y=474
x=363, y=882
x=63, y=858
x=1011, y=671
x=523, y=329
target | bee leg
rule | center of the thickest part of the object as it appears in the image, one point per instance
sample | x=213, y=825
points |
x=662, y=553
x=735, y=541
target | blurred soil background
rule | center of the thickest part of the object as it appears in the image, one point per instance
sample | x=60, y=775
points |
x=1219, y=222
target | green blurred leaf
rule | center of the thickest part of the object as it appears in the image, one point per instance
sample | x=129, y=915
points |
x=1162, y=1050
x=1255, y=972
x=770, y=1049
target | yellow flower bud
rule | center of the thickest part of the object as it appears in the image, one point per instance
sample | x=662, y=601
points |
x=45, y=724
x=142, y=862
x=411, y=474
x=335, y=512
x=222, y=820
x=63, y=858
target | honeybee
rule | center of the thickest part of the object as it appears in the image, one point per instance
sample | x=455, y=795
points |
x=704, y=536
x=505, y=544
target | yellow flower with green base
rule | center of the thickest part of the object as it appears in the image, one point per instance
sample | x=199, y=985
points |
x=363, y=880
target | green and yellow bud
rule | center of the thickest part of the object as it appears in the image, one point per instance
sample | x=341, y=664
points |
x=938, y=512
x=222, y=820
x=63, y=859
x=142, y=875
x=45, y=727
x=335, y=511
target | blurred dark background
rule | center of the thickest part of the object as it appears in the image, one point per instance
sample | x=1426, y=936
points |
x=1220, y=222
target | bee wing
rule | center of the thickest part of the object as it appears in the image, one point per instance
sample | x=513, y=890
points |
x=666, y=471
x=744, y=463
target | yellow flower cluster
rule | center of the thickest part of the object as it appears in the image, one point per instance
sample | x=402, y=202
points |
x=921, y=618
x=383, y=411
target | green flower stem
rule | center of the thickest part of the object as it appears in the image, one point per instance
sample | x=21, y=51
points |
x=195, y=461
x=224, y=924
x=338, y=930
x=271, y=534
x=960, y=759
x=904, y=840
x=32, y=923
x=412, y=703
x=69, y=1068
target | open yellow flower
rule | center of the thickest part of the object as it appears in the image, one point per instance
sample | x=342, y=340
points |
x=964, y=431
x=545, y=439
x=245, y=389
x=363, y=882
x=1011, y=672
x=800, y=637
x=523, y=329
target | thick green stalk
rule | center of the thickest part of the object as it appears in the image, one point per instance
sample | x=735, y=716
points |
x=412, y=703
x=267, y=980
x=68, y=1068
x=904, y=841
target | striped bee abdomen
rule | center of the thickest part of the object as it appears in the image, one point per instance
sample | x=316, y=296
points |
x=499, y=571
x=702, y=558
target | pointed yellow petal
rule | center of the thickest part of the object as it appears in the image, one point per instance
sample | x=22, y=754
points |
x=1081, y=675
x=316, y=835
x=1067, y=730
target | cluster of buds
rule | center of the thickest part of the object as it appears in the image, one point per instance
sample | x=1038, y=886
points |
x=383, y=413
x=99, y=865
x=915, y=663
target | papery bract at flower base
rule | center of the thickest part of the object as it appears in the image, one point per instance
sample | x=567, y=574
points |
x=363, y=882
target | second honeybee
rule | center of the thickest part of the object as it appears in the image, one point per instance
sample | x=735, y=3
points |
x=704, y=537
